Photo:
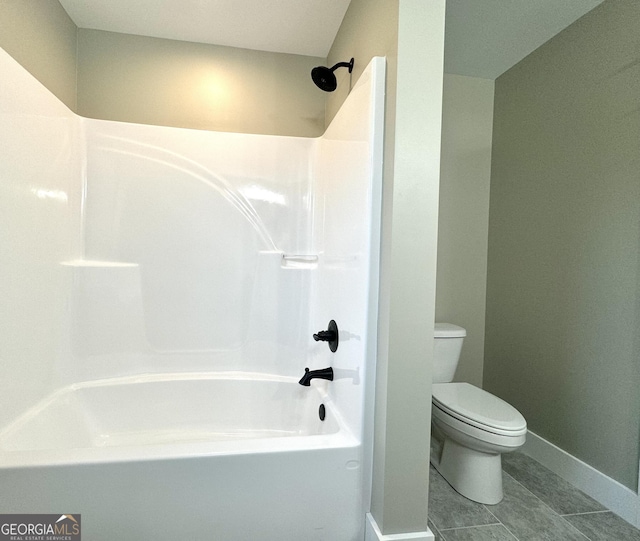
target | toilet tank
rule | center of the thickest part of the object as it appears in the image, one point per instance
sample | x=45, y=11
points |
x=447, y=345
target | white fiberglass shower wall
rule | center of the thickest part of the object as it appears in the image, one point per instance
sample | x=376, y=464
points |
x=160, y=291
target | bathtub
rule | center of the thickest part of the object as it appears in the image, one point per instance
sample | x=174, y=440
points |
x=240, y=456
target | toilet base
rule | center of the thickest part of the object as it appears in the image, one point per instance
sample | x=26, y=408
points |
x=474, y=474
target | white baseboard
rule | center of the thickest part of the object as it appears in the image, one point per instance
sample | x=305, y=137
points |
x=609, y=492
x=372, y=533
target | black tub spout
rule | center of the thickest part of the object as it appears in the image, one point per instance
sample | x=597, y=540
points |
x=324, y=373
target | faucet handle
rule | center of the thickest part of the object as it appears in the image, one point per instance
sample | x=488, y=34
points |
x=330, y=336
x=326, y=336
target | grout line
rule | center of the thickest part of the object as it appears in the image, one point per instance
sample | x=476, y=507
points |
x=435, y=528
x=476, y=527
x=587, y=513
x=548, y=507
x=490, y=512
x=503, y=524
x=472, y=526
x=576, y=529
x=536, y=497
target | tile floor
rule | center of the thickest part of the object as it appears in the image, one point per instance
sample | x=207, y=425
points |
x=537, y=505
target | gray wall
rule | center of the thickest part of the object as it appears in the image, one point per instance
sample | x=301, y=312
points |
x=40, y=35
x=128, y=78
x=410, y=33
x=194, y=85
x=562, y=324
x=467, y=122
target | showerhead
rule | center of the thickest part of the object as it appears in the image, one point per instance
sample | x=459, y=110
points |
x=324, y=77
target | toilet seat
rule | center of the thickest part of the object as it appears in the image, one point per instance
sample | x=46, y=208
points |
x=479, y=409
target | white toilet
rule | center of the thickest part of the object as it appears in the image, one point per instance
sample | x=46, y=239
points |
x=471, y=427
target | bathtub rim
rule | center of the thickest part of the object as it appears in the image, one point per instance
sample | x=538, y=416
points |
x=21, y=458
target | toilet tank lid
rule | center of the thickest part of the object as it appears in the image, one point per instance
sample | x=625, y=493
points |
x=448, y=330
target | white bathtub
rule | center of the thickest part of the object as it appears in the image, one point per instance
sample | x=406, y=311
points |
x=242, y=456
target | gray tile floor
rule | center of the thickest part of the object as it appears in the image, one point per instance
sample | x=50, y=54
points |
x=537, y=505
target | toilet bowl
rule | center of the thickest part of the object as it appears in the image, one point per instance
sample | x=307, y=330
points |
x=471, y=427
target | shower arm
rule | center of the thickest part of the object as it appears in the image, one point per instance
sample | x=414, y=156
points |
x=343, y=65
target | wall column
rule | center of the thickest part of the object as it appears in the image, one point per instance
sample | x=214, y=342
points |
x=409, y=247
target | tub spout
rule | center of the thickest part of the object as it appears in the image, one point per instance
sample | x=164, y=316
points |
x=324, y=373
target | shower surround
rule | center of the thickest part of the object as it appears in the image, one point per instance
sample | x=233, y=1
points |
x=160, y=291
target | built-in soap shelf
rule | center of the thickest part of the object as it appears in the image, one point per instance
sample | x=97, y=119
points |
x=299, y=261
x=92, y=263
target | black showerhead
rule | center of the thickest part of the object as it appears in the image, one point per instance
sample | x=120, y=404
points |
x=325, y=79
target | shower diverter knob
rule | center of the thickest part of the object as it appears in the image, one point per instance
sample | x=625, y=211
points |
x=330, y=336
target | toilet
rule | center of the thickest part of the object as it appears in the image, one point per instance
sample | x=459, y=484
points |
x=471, y=428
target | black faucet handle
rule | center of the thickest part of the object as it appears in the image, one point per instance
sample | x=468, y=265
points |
x=330, y=336
x=325, y=336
